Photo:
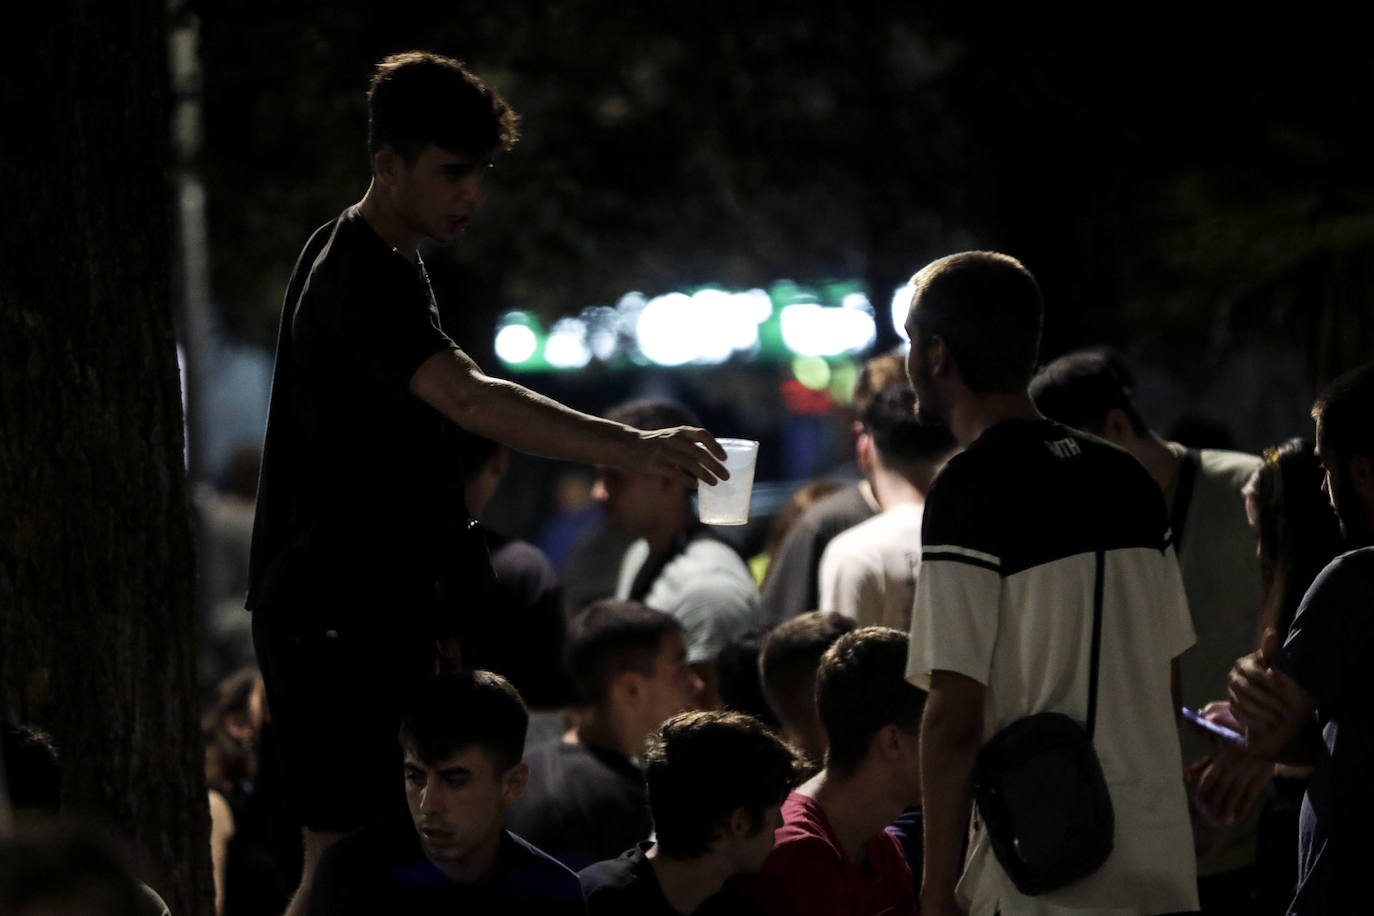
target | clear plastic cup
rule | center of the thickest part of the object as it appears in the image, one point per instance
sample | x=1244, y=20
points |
x=726, y=502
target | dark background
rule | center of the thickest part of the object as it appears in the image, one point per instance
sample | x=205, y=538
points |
x=1191, y=187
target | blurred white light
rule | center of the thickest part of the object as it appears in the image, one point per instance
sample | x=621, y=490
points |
x=566, y=347
x=515, y=343
x=857, y=301
x=668, y=334
x=814, y=330
x=901, y=304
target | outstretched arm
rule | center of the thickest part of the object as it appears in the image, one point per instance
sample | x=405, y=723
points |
x=451, y=383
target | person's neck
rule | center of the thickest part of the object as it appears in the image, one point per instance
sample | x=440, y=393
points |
x=387, y=223
x=686, y=883
x=974, y=414
x=857, y=807
x=476, y=865
x=1159, y=460
x=668, y=525
x=603, y=728
x=902, y=487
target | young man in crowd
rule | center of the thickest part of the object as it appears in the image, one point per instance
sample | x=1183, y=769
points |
x=1093, y=390
x=1026, y=530
x=1309, y=702
x=716, y=781
x=790, y=587
x=868, y=573
x=586, y=800
x=788, y=663
x=677, y=566
x=361, y=562
x=462, y=737
x=833, y=855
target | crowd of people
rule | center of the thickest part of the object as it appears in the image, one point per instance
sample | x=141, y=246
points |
x=857, y=724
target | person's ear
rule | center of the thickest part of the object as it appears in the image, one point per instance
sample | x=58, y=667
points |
x=388, y=166
x=628, y=688
x=864, y=455
x=1116, y=427
x=513, y=783
x=939, y=360
x=501, y=462
x=739, y=825
x=888, y=743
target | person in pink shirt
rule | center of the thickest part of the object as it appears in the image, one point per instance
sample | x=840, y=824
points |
x=832, y=854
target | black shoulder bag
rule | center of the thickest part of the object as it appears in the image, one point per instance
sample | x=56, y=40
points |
x=1041, y=793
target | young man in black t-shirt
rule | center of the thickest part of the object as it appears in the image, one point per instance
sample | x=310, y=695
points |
x=362, y=559
x=716, y=785
x=586, y=798
x=462, y=738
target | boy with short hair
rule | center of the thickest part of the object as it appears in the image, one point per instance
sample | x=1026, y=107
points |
x=716, y=781
x=462, y=736
x=586, y=799
x=833, y=855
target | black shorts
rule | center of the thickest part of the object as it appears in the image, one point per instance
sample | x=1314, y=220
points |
x=336, y=695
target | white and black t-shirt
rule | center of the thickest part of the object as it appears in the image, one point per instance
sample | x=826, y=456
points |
x=1012, y=530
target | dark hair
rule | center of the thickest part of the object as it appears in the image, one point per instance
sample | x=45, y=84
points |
x=791, y=655
x=898, y=435
x=28, y=762
x=612, y=636
x=418, y=98
x=1079, y=388
x=650, y=414
x=1298, y=530
x=861, y=688
x=230, y=761
x=987, y=308
x=737, y=677
x=701, y=767
x=455, y=711
x=877, y=373
x=1345, y=410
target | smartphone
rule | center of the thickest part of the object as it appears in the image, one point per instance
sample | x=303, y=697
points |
x=1230, y=736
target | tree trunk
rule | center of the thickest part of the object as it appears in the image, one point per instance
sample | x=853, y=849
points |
x=96, y=563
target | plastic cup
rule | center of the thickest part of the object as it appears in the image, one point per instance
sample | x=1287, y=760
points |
x=726, y=502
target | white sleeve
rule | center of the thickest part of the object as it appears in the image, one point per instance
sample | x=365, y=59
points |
x=954, y=619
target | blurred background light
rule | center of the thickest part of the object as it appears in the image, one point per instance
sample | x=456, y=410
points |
x=567, y=347
x=901, y=304
x=516, y=341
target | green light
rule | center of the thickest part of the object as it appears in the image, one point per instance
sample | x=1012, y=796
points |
x=842, y=379
x=811, y=371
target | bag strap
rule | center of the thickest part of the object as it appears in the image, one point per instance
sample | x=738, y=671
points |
x=1093, y=663
x=1189, y=462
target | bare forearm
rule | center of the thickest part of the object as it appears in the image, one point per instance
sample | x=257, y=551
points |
x=452, y=384
x=532, y=423
x=948, y=751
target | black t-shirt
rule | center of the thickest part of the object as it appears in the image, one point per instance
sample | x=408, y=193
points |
x=581, y=804
x=382, y=869
x=361, y=487
x=524, y=642
x=792, y=584
x=1327, y=652
x=627, y=886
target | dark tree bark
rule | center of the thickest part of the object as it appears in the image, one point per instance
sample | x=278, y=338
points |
x=96, y=561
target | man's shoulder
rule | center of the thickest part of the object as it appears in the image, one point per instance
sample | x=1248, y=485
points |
x=1223, y=466
x=1349, y=577
x=864, y=543
x=620, y=877
x=560, y=765
x=528, y=862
